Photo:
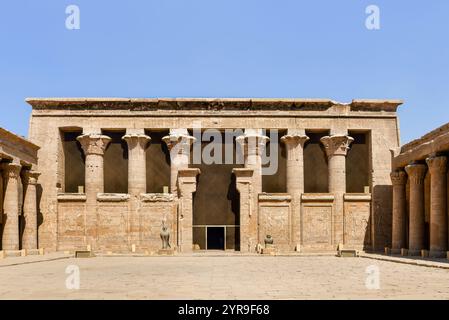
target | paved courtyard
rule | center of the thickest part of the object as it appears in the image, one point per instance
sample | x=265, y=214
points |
x=222, y=277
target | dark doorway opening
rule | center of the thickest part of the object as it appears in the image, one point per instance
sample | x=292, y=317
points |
x=215, y=238
x=74, y=162
x=216, y=202
x=315, y=163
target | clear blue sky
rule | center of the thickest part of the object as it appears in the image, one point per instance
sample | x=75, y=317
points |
x=228, y=48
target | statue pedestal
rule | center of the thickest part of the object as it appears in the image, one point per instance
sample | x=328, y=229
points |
x=268, y=250
x=166, y=252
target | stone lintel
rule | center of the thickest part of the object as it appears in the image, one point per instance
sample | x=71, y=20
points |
x=71, y=197
x=357, y=196
x=243, y=172
x=133, y=131
x=157, y=197
x=278, y=197
x=188, y=174
x=112, y=197
x=326, y=197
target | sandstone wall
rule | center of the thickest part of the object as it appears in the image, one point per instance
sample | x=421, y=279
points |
x=62, y=223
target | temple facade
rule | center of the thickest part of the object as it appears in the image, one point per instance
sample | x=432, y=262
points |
x=420, y=211
x=222, y=174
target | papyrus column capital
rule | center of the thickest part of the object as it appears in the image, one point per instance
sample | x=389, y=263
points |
x=133, y=140
x=294, y=140
x=398, y=177
x=181, y=142
x=437, y=165
x=252, y=143
x=12, y=170
x=31, y=176
x=336, y=145
x=94, y=143
x=416, y=173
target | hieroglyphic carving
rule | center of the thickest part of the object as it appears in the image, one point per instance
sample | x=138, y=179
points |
x=356, y=223
x=274, y=220
x=112, y=226
x=317, y=225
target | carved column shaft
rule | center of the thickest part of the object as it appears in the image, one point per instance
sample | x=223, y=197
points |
x=337, y=147
x=10, y=237
x=94, y=146
x=137, y=143
x=137, y=179
x=294, y=144
x=416, y=174
x=438, y=202
x=399, y=181
x=30, y=210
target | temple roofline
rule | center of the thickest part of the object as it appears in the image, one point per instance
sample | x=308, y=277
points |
x=211, y=103
x=8, y=135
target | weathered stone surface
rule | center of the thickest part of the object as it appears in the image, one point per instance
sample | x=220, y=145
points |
x=11, y=211
x=275, y=220
x=30, y=210
x=157, y=197
x=438, y=205
x=317, y=228
x=399, y=214
x=78, y=220
x=416, y=174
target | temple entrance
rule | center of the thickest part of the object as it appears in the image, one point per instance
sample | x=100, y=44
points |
x=215, y=238
x=216, y=206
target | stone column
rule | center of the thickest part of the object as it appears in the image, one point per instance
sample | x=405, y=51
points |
x=438, y=220
x=178, y=142
x=337, y=147
x=399, y=181
x=248, y=221
x=186, y=187
x=137, y=179
x=416, y=174
x=94, y=146
x=253, y=144
x=294, y=143
x=30, y=210
x=137, y=143
x=10, y=238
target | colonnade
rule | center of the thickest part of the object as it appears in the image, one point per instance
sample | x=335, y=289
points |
x=18, y=184
x=414, y=174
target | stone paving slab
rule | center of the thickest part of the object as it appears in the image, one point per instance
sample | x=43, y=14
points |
x=221, y=277
x=12, y=261
x=417, y=261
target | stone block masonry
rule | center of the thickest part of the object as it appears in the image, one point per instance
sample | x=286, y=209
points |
x=74, y=140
